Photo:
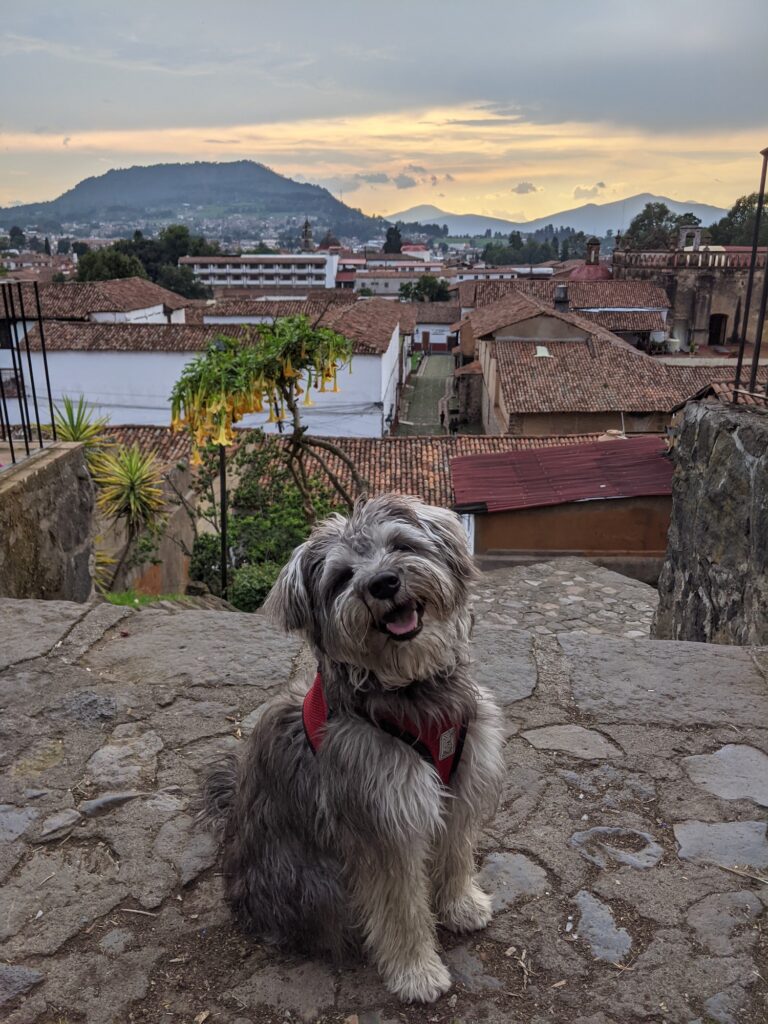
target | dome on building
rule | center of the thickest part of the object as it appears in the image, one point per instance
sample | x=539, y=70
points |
x=592, y=269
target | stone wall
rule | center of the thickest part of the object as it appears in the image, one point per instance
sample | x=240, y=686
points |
x=46, y=525
x=696, y=294
x=713, y=586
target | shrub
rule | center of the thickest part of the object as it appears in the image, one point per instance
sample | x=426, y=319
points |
x=205, y=564
x=251, y=584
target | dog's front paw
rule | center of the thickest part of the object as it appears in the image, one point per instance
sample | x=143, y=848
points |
x=469, y=913
x=423, y=983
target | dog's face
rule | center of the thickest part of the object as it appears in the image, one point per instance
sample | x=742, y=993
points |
x=385, y=590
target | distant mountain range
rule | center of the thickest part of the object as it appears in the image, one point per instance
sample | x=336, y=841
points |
x=592, y=218
x=165, y=192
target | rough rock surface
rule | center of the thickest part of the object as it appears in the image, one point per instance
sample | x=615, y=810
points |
x=47, y=525
x=608, y=825
x=714, y=582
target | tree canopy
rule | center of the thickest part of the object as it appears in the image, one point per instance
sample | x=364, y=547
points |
x=394, y=240
x=427, y=289
x=656, y=227
x=105, y=264
x=738, y=225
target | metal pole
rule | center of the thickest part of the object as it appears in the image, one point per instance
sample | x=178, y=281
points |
x=751, y=278
x=23, y=316
x=759, y=330
x=45, y=358
x=5, y=421
x=223, y=504
x=18, y=374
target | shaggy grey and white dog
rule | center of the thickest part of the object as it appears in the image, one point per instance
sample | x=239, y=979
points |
x=360, y=842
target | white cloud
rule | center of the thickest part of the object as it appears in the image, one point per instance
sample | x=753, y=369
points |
x=589, y=191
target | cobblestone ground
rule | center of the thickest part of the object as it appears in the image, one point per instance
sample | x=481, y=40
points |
x=422, y=393
x=564, y=595
x=627, y=862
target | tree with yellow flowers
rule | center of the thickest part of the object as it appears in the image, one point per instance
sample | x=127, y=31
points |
x=277, y=370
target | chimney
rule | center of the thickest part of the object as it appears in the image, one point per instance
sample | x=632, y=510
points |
x=593, y=252
x=562, y=303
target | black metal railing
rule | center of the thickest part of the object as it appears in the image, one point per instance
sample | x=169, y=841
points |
x=26, y=406
x=750, y=389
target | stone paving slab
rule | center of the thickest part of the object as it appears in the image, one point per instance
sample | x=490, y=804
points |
x=564, y=595
x=627, y=863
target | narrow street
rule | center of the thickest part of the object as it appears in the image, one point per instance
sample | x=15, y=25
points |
x=419, y=413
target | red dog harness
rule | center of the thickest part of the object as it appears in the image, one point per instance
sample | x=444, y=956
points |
x=440, y=744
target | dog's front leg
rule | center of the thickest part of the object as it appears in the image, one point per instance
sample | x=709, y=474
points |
x=390, y=886
x=460, y=904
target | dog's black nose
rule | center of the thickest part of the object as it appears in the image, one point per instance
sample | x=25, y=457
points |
x=384, y=585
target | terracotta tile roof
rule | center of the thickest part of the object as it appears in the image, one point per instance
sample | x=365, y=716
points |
x=257, y=258
x=368, y=324
x=701, y=382
x=516, y=308
x=76, y=300
x=65, y=336
x=581, y=294
x=408, y=317
x=435, y=312
x=623, y=321
x=169, y=447
x=409, y=465
x=626, y=468
x=380, y=272
x=598, y=375
x=390, y=257
x=258, y=309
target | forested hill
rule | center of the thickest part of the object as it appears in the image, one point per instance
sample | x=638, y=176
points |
x=164, y=191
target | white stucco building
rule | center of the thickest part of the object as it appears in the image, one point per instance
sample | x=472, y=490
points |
x=299, y=271
x=126, y=371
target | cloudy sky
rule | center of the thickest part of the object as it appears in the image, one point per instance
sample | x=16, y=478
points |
x=503, y=107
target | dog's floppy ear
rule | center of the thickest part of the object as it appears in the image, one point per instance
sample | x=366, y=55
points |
x=446, y=529
x=288, y=602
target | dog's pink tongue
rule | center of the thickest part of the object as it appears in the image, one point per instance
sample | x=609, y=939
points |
x=406, y=624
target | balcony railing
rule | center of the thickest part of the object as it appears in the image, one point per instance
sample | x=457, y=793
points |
x=25, y=396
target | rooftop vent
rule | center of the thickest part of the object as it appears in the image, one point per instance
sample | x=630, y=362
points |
x=561, y=296
x=542, y=352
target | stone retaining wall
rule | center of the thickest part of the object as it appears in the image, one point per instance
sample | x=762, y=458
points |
x=713, y=586
x=46, y=525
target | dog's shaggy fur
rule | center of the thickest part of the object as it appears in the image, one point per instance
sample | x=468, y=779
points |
x=360, y=844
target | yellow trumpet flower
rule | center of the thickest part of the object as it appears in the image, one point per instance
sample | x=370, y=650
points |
x=223, y=437
x=271, y=418
x=196, y=459
x=288, y=370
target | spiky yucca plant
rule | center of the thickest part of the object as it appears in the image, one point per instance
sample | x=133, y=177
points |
x=130, y=491
x=77, y=423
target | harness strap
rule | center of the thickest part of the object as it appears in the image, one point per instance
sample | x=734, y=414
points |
x=441, y=745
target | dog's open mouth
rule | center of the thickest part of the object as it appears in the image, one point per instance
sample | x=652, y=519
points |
x=403, y=622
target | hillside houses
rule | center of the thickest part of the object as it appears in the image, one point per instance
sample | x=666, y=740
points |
x=541, y=370
x=634, y=310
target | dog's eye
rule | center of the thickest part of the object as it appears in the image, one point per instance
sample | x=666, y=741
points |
x=402, y=545
x=340, y=580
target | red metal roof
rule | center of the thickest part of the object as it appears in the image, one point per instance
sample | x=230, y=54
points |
x=619, y=468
